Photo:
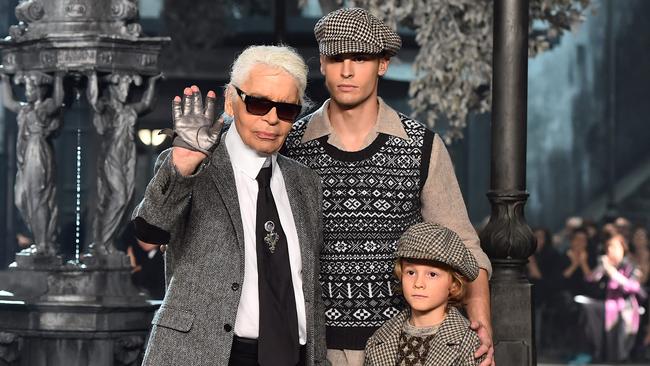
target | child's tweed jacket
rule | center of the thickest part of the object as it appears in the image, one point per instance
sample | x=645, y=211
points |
x=454, y=343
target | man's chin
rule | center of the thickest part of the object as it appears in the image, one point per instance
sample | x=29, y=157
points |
x=266, y=148
x=346, y=104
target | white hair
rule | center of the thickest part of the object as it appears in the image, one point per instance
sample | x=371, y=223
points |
x=281, y=57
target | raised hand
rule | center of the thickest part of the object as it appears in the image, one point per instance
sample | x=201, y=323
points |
x=573, y=257
x=196, y=127
x=583, y=257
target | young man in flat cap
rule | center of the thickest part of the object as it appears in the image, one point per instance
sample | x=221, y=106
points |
x=381, y=173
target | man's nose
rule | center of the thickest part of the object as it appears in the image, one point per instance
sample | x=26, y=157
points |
x=272, y=117
x=347, y=69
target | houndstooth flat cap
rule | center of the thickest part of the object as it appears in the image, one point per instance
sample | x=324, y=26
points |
x=355, y=30
x=437, y=243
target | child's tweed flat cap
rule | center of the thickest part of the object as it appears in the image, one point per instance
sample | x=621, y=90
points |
x=437, y=243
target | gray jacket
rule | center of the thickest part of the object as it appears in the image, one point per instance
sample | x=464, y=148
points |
x=453, y=345
x=200, y=217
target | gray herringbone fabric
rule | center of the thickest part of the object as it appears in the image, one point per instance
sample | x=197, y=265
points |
x=453, y=344
x=355, y=30
x=435, y=242
x=205, y=259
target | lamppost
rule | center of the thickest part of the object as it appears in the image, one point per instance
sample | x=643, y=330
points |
x=507, y=238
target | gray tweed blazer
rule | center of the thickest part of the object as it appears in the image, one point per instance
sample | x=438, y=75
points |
x=454, y=343
x=200, y=219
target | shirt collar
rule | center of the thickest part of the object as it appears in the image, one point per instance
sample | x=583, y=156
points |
x=388, y=122
x=243, y=157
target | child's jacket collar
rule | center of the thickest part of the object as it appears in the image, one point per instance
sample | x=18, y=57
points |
x=445, y=345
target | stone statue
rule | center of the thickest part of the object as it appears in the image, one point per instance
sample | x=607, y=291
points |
x=114, y=120
x=35, y=189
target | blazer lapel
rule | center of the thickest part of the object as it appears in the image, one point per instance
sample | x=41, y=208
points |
x=385, y=342
x=300, y=214
x=224, y=178
x=446, y=343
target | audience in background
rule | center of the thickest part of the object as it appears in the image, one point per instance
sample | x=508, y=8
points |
x=562, y=239
x=576, y=262
x=621, y=308
x=590, y=283
x=545, y=275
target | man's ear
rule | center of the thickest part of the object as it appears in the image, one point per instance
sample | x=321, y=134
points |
x=383, y=66
x=228, y=108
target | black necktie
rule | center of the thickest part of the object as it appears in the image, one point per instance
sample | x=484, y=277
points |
x=278, y=333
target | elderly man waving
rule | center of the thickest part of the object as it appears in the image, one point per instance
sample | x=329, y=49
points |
x=242, y=225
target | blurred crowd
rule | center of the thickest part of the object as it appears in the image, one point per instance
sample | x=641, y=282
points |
x=590, y=291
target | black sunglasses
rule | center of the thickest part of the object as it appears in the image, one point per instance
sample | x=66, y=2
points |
x=261, y=106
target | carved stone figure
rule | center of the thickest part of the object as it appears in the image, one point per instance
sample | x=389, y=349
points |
x=35, y=189
x=114, y=120
x=129, y=350
x=10, y=346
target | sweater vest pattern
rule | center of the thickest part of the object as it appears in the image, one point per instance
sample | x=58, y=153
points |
x=370, y=198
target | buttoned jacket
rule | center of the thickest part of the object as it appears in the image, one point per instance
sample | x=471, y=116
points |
x=200, y=218
x=453, y=344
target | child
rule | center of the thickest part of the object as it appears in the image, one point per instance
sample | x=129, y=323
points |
x=433, y=267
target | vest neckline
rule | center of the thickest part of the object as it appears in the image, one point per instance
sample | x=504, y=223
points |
x=350, y=156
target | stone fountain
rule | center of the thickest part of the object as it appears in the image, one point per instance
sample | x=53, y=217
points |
x=85, y=311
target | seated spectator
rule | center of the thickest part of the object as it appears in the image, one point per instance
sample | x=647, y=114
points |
x=546, y=277
x=624, y=228
x=608, y=230
x=581, y=299
x=561, y=240
x=543, y=266
x=576, y=264
x=621, y=318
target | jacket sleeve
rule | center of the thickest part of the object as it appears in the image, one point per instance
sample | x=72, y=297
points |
x=165, y=202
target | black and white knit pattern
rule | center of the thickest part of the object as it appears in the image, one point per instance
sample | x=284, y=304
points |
x=413, y=350
x=370, y=198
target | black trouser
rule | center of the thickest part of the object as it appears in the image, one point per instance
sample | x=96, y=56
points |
x=244, y=353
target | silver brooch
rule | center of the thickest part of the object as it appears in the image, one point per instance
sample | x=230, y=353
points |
x=271, y=238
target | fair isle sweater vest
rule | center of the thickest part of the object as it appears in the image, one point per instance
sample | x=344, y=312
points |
x=370, y=197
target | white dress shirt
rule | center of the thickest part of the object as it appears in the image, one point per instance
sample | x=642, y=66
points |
x=246, y=164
